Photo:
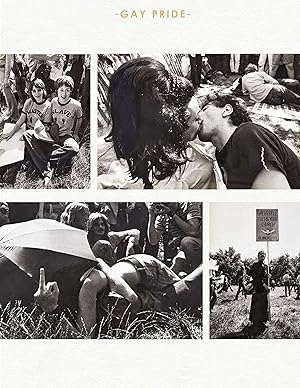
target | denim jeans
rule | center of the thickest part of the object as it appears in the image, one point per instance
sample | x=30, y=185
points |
x=276, y=97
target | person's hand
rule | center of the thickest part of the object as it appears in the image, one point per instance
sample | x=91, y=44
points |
x=47, y=294
x=156, y=208
x=6, y=136
x=160, y=208
x=280, y=88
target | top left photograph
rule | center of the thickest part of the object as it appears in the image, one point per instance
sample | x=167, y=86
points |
x=44, y=121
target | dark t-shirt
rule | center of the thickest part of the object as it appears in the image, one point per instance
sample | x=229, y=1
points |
x=252, y=148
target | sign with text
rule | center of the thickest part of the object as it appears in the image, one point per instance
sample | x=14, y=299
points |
x=267, y=228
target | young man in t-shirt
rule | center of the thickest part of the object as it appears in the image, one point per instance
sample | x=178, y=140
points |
x=67, y=118
x=249, y=155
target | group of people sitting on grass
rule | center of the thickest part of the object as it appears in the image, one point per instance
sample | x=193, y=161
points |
x=144, y=281
x=49, y=109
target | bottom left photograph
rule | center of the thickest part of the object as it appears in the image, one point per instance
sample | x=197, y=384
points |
x=119, y=270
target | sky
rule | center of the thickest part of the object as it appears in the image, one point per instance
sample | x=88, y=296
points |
x=234, y=224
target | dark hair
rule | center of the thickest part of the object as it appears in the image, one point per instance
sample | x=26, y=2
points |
x=93, y=217
x=240, y=112
x=147, y=106
x=64, y=80
x=38, y=83
x=250, y=68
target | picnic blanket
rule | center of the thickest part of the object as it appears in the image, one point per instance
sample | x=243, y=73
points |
x=282, y=120
x=287, y=112
x=12, y=150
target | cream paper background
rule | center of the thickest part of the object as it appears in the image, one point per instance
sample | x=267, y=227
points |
x=91, y=26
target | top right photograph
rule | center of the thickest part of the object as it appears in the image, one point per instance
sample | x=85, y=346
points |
x=198, y=121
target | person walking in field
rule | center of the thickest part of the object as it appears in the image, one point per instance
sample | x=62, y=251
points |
x=286, y=281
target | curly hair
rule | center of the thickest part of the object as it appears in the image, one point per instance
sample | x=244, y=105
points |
x=240, y=112
x=250, y=68
x=147, y=106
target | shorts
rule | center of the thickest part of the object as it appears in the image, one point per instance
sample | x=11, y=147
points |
x=155, y=277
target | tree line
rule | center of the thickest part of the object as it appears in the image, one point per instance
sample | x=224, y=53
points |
x=232, y=264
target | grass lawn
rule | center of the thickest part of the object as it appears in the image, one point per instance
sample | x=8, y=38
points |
x=17, y=322
x=229, y=315
x=77, y=178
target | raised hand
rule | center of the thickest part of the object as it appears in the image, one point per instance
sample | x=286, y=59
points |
x=47, y=294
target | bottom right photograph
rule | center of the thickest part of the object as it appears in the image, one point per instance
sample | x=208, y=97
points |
x=254, y=270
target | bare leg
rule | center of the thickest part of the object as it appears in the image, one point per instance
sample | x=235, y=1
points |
x=118, y=278
x=121, y=278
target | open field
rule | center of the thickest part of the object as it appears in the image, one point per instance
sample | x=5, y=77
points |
x=229, y=315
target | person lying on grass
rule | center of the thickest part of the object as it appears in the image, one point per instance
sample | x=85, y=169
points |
x=145, y=282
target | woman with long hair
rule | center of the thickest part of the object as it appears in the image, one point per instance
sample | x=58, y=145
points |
x=151, y=109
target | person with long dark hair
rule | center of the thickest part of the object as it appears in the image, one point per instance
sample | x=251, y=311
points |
x=149, y=111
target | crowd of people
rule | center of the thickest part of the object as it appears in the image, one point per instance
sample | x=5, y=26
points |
x=163, y=132
x=50, y=95
x=153, y=265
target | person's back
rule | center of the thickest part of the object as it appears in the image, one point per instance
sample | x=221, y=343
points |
x=258, y=84
x=252, y=148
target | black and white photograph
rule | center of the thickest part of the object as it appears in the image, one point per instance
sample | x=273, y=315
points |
x=198, y=121
x=101, y=270
x=254, y=268
x=44, y=121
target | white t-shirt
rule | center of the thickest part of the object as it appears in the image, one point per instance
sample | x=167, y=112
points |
x=258, y=84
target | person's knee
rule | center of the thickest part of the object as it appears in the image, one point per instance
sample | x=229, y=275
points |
x=186, y=242
x=189, y=243
x=71, y=145
x=103, y=250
